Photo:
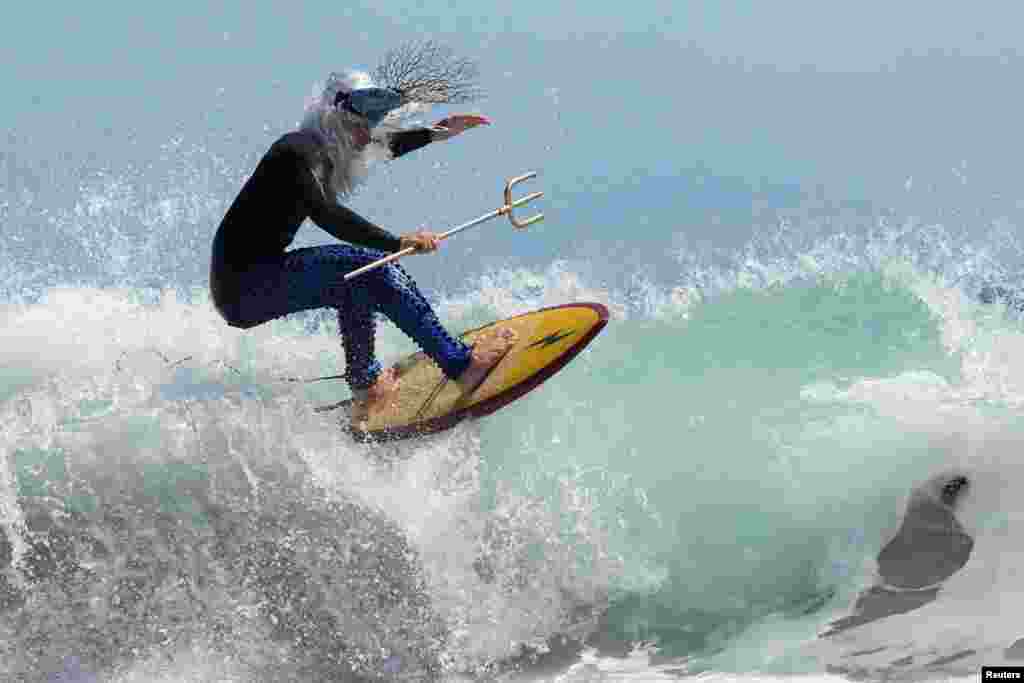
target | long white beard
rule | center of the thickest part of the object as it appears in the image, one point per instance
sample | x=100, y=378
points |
x=351, y=164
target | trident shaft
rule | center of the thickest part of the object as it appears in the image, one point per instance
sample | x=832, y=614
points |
x=504, y=210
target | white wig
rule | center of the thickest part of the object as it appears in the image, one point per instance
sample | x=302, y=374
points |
x=351, y=164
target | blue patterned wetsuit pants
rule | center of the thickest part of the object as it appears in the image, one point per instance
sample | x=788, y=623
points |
x=312, y=278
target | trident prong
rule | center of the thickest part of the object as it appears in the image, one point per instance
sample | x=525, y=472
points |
x=509, y=204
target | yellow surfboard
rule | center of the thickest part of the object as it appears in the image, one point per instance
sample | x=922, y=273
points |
x=429, y=402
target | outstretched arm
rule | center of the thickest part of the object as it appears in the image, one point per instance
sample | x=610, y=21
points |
x=406, y=141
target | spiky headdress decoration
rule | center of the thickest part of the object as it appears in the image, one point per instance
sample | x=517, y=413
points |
x=429, y=73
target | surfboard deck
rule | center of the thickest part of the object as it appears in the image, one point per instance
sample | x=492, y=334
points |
x=428, y=402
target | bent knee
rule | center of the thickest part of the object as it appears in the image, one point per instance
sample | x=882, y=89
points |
x=388, y=278
x=396, y=277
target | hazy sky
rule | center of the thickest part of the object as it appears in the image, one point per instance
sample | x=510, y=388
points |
x=741, y=71
x=866, y=100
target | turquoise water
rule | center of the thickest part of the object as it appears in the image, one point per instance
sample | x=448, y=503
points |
x=709, y=472
x=788, y=227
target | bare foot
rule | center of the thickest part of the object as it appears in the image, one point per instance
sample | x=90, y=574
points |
x=488, y=349
x=381, y=393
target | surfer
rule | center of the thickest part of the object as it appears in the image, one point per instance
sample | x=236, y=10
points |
x=254, y=278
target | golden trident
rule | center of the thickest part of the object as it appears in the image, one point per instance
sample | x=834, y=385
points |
x=505, y=209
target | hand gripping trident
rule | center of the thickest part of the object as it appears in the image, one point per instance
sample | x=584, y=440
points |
x=504, y=210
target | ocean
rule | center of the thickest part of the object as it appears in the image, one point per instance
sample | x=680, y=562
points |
x=791, y=454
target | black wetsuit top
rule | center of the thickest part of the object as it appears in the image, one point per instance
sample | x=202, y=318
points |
x=289, y=185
